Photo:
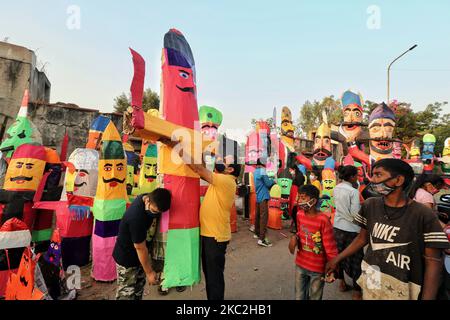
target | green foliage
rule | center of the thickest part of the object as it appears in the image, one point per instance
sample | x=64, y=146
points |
x=311, y=114
x=150, y=101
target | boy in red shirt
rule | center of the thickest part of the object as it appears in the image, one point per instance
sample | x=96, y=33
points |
x=316, y=245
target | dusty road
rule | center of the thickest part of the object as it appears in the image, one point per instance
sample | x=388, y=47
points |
x=251, y=273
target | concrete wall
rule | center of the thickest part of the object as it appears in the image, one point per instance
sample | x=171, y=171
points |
x=53, y=120
x=17, y=73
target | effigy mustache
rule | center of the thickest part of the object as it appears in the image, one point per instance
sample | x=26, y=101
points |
x=113, y=180
x=21, y=178
x=355, y=124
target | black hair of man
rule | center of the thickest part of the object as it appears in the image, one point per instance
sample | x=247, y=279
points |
x=347, y=172
x=310, y=190
x=161, y=198
x=236, y=169
x=397, y=167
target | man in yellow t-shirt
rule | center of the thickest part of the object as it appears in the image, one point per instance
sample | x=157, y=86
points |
x=215, y=229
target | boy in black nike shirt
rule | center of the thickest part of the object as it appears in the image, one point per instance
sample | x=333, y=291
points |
x=404, y=256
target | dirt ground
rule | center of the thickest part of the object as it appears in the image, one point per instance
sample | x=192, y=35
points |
x=251, y=273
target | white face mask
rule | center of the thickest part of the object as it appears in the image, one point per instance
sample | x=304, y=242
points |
x=312, y=178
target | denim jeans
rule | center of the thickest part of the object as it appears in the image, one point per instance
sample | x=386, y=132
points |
x=308, y=284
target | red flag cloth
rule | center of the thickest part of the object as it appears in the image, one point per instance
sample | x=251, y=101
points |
x=137, y=90
x=64, y=147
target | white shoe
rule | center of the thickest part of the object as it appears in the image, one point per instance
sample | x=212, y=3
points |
x=266, y=243
x=252, y=228
x=255, y=236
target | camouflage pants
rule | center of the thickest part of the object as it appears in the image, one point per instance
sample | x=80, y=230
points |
x=130, y=283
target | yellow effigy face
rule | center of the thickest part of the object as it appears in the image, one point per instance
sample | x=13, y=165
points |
x=112, y=178
x=24, y=174
x=322, y=144
x=446, y=151
x=415, y=149
x=328, y=181
x=150, y=168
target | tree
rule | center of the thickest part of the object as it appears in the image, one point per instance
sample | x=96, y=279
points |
x=311, y=114
x=150, y=101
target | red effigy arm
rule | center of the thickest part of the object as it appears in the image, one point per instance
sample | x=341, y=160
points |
x=137, y=90
x=304, y=161
x=356, y=153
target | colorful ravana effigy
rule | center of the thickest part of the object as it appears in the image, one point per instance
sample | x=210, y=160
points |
x=179, y=106
x=322, y=150
x=445, y=160
x=74, y=220
x=381, y=129
x=109, y=204
x=22, y=131
x=23, y=179
x=149, y=170
x=180, y=111
x=353, y=128
x=429, y=141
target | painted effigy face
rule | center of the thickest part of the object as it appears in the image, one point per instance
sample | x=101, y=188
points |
x=446, y=157
x=86, y=172
x=446, y=151
x=255, y=149
x=429, y=141
x=150, y=169
x=415, y=150
x=112, y=166
x=285, y=185
x=328, y=181
x=381, y=130
x=26, y=168
x=21, y=131
x=353, y=115
x=210, y=119
x=322, y=145
x=179, y=88
x=287, y=128
x=113, y=176
x=397, y=150
x=26, y=278
x=53, y=254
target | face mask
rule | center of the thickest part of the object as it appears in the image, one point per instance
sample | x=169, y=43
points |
x=381, y=188
x=312, y=178
x=220, y=168
x=306, y=206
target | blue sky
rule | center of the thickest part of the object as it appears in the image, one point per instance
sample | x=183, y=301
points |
x=251, y=55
